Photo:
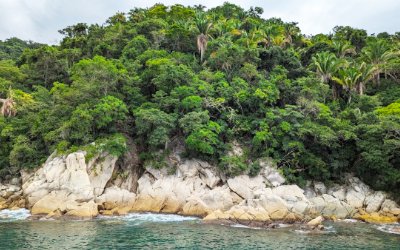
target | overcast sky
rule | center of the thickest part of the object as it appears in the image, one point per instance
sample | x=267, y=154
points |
x=40, y=20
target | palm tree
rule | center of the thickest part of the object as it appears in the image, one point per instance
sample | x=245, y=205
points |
x=202, y=26
x=270, y=31
x=368, y=71
x=117, y=18
x=349, y=78
x=289, y=30
x=342, y=48
x=279, y=41
x=378, y=53
x=320, y=38
x=227, y=28
x=327, y=64
x=187, y=25
x=7, y=109
x=253, y=38
x=138, y=15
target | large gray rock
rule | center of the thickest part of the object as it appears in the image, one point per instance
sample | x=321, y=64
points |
x=115, y=196
x=303, y=208
x=355, y=199
x=374, y=201
x=263, y=191
x=194, y=182
x=340, y=194
x=337, y=191
x=188, y=169
x=276, y=207
x=338, y=209
x=328, y=205
x=357, y=185
x=245, y=186
x=272, y=176
x=219, y=198
x=208, y=174
x=320, y=188
x=290, y=190
x=68, y=180
x=160, y=192
x=100, y=172
x=309, y=191
x=389, y=204
x=319, y=203
x=195, y=206
x=356, y=193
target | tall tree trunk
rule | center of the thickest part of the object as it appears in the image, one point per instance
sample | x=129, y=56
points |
x=201, y=52
x=362, y=87
x=336, y=89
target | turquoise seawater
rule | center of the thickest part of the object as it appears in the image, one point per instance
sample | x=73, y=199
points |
x=156, y=231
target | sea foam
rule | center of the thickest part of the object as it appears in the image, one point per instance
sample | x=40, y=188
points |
x=151, y=217
x=388, y=228
x=7, y=215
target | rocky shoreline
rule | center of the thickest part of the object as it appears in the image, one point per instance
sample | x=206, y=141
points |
x=68, y=187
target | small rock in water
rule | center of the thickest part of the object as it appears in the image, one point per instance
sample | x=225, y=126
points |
x=272, y=225
x=35, y=217
x=314, y=224
x=311, y=228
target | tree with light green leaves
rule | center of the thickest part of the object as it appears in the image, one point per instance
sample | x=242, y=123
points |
x=327, y=65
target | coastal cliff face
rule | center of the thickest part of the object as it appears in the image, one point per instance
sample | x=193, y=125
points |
x=72, y=187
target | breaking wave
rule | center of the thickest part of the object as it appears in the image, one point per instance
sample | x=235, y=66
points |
x=7, y=215
x=389, y=228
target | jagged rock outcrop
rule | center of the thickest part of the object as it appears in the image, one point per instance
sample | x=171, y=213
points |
x=115, y=197
x=71, y=187
x=67, y=186
x=246, y=215
x=128, y=168
x=354, y=199
x=11, y=196
x=245, y=186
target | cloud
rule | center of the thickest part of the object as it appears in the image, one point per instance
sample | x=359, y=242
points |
x=320, y=16
x=40, y=20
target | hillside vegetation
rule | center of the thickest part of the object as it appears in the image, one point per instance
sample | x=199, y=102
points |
x=321, y=105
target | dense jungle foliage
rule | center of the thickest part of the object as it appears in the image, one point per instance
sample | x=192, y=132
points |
x=321, y=105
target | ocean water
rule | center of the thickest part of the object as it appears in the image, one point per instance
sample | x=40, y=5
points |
x=158, y=231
